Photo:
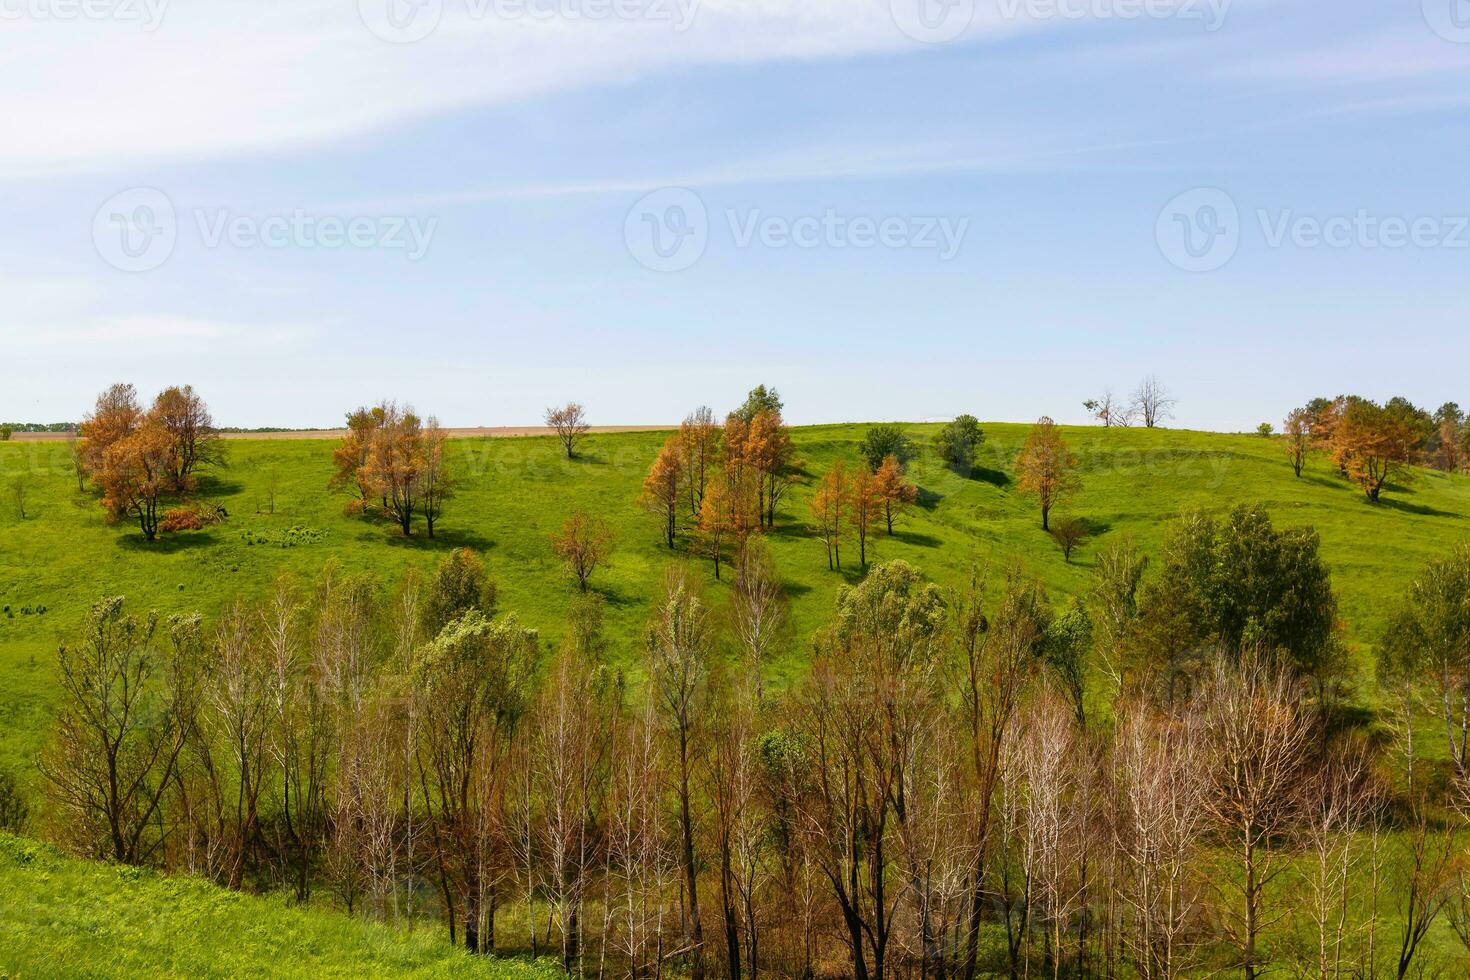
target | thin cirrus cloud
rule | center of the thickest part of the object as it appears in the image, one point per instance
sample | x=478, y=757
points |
x=229, y=77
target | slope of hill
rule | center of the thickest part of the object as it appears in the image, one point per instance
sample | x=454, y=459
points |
x=516, y=492
x=63, y=917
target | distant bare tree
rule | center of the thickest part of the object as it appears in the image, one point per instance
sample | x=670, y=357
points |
x=570, y=423
x=1108, y=410
x=1152, y=402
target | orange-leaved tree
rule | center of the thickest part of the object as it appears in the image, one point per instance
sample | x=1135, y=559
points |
x=1374, y=443
x=864, y=508
x=350, y=456
x=897, y=493
x=663, y=488
x=394, y=464
x=829, y=508
x=769, y=451
x=583, y=544
x=699, y=444
x=1046, y=468
x=185, y=416
x=136, y=473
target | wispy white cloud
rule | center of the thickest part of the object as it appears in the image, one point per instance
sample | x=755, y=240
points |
x=226, y=78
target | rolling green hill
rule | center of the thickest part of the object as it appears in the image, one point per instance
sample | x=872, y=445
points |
x=516, y=492
x=64, y=917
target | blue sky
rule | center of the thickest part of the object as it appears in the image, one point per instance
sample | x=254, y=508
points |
x=498, y=173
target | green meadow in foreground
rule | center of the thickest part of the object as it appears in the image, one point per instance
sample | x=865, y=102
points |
x=63, y=917
x=516, y=492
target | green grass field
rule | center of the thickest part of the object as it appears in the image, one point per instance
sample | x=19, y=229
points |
x=76, y=918
x=516, y=492
x=62, y=917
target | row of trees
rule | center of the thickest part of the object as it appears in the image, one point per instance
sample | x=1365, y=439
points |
x=395, y=464
x=725, y=482
x=1376, y=445
x=936, y=796
x=142, y=459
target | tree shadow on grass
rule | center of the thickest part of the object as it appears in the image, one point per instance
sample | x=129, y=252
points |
x=212, y=485
x=793, y=589
x=996, y=478
x=916, y=538
x=444, y=539
x=166, y=544
x=1423, y=510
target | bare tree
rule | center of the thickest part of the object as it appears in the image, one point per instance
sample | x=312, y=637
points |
x=570, y=423
x=1109, y=410
x=1157, y=829
x=570, y=746
x=758, y=610
x=1152, y=402
x=1256, y=741
x=1338, y=802
x=678, y=649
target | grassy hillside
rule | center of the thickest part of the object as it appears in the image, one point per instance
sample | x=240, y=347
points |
x=517, y=491
x=68, y=918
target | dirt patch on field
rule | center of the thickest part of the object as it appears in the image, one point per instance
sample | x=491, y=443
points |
x=484, y=431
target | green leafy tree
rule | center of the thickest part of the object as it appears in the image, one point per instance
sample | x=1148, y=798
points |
x=1240, y=584
x=459, y=585
x=760, y=399
x=882, y=441
x=958, y=442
